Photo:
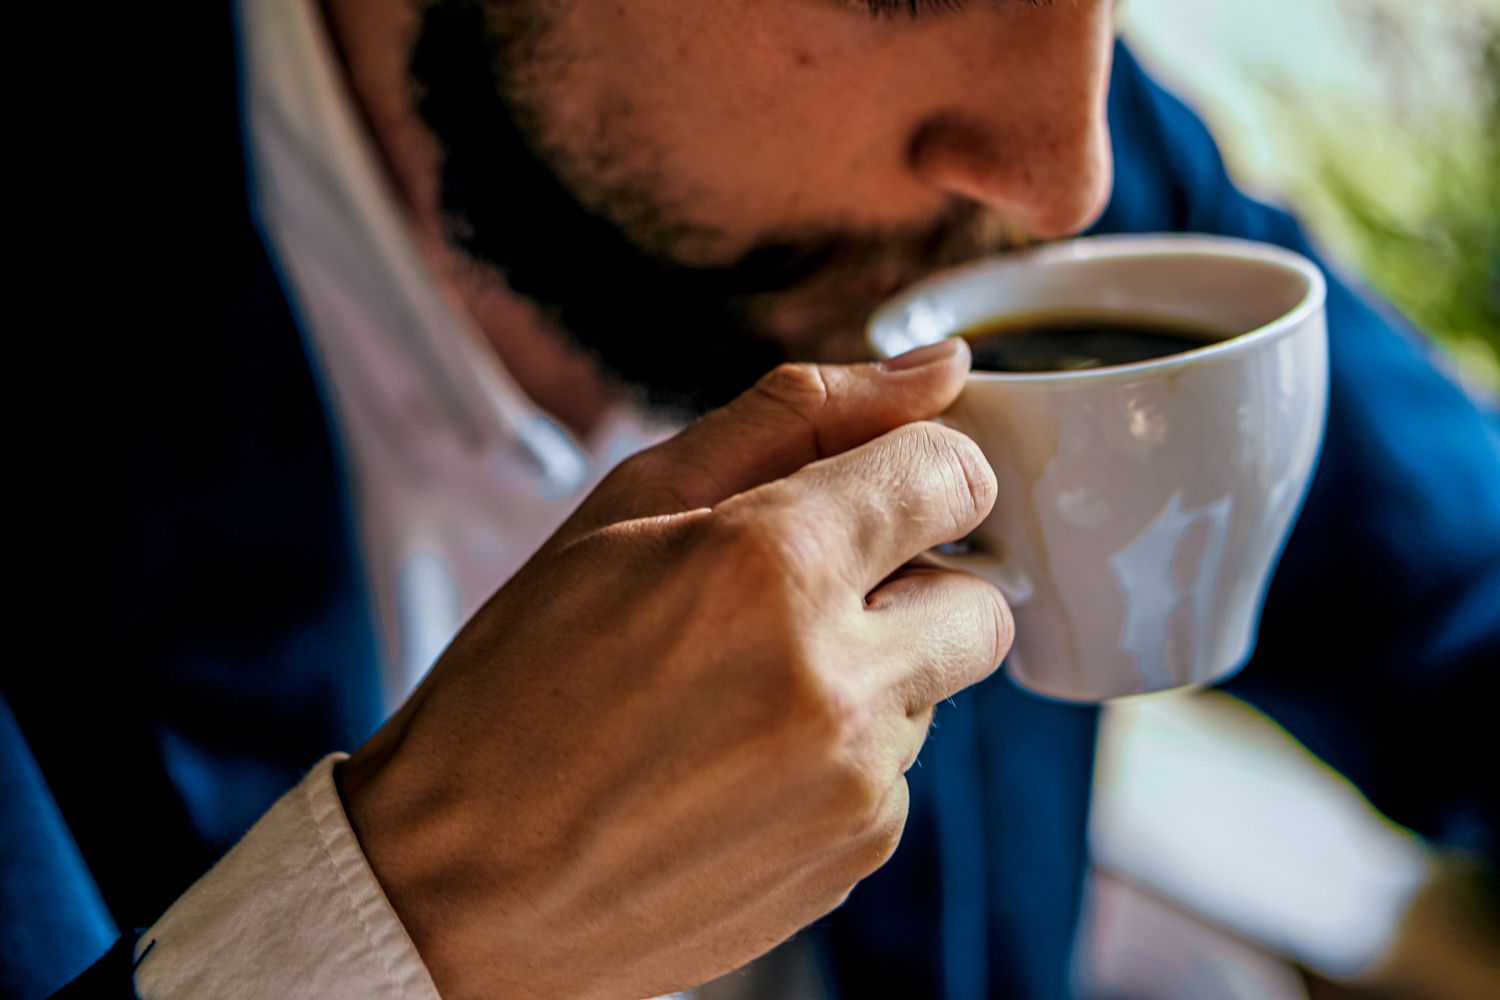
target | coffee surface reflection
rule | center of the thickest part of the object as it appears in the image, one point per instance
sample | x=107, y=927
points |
x=1062, y=342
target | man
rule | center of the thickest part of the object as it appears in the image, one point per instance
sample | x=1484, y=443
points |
x=686, y=726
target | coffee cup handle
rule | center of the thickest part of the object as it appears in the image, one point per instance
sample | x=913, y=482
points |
x=1012, y=581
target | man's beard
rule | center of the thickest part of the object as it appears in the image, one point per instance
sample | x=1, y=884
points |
x=683, y=338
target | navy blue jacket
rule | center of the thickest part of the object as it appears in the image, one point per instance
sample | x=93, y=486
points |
x=194, y=630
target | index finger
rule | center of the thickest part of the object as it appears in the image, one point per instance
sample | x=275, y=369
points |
x=794, y=415
x=873, y=508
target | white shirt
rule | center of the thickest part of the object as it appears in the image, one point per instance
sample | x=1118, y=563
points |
x=457, y=479
x=457, y=476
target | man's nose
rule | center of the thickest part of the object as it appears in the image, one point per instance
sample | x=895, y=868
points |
x=1044, y=165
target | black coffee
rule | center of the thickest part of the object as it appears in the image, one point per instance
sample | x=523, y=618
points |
x=1062, y=343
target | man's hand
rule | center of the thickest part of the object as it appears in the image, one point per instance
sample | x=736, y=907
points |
x=680, y=733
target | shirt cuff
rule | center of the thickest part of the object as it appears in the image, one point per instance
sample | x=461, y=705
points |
x=292, y=910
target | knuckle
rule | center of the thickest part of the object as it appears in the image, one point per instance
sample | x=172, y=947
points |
x=968, y=482
x=883, y=834
x=642, y=467
x=828, y=887
x=1004, y=625
x=627, y=482
x=828, y=718
x=863, y=855
x=657, y=479
x=886, y=837
x=761, y=540
x=839, y=897
x=859, y=799
x=801, y=390
x=821, y=711
x=801, y=694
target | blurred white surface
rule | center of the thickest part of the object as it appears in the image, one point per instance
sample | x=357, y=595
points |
x=1204, y=801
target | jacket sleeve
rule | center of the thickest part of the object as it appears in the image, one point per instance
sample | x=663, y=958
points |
x=110, y=978
x=293, y=908
x=1379, y=645
x=55, y=921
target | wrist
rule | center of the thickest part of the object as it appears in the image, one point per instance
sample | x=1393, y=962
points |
x=388, y=825
x=417, y=839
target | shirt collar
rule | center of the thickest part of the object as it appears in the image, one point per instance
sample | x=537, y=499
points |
x=318, y=186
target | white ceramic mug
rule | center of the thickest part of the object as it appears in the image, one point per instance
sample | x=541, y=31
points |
x=1142, y=507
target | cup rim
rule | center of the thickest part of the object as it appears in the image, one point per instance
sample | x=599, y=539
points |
x=1128, y=245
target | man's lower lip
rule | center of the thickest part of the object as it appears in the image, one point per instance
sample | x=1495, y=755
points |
x=835, y=343
x=869, y=291
x=887, y=288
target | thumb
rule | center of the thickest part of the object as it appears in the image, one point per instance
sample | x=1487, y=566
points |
x=796, y=414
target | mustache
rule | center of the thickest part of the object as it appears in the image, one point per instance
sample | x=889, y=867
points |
x=681, y=339
x=838, y=256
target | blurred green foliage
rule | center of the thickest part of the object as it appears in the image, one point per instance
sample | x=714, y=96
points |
x=1407, y=189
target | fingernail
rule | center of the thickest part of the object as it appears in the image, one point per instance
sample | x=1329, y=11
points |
x=931, y=354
